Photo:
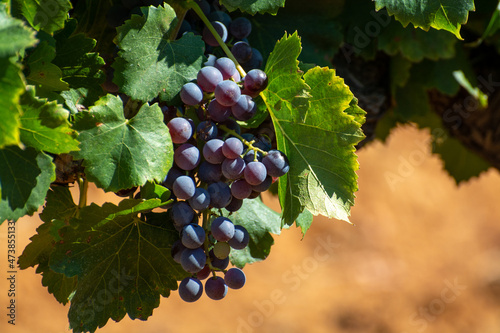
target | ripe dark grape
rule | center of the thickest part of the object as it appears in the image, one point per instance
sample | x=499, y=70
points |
x=245, y=108
x=216, y=262
x=182, y=214
x=232, y=148
x=171, y=176
x=255, y=173
x=209, y=173
x=206, y=130
x=208, y=78
x=276, y=163
x=240, y=27
x=218, y=112
x=226, y=67
x=212, y=151
x=234, y=205
x=187, y=156
x=216, y=288
x=176, y=250
x=192, y=236
x=193, y=260
x=220, y=194
x=241, y=189
x=210, y=60
x=255, y=81
x=264, y=186
x=240, y=238
x=242, y=51
x=235, y=278
x=227, y=93
x=191, y=94
x=233, y=168
x=255, y=61
x=220, y=16
x=184, y=187
x=222, y=229
x=204, y=273
x=190, y=289
x=200, y=200
x=220, y=28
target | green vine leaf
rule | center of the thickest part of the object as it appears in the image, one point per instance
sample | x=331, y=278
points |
x=25, y=177
x=44, y=125
x=147, y=52
x=254, y=6
x=439, y=14
x=45, y=15
x=316, y=133
x=121, y=153
x=123, y=264
x=11, y=87
x=14, y=35
x=42, y=72
x=260, y=221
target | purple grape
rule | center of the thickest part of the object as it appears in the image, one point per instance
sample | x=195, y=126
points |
x=187, y=156
x=233, y=168
x=193, y=260
x=220, y=194
x=227, y=93
x=190, y=289
x=242, y=51
x=209, y=173
x=171, y=176
x=254, y=195
x=244, y=109
x=210, y=59
x=255, y=61
x=264, y=186
x=218, y=112
x=220, y=28
x=216, y=288
x=204, y=273
x=240, y=28
x=216, y=262
x=212, y=151
x=240, y=239
x=235, y=278
x=276, y=163
x=208, y=78
x=232, y=148
x=206, y=130
x=176, y=251
x=255, y=81
x=222, y=229
x=220, y=16
x=240, y=189
x=200, y=200
x=191, y=94
x=182, y=214
x=192, y=236
x=184, y=187
x=255, y=173
x=226, y=67
x=234, y=205
x=180, y=130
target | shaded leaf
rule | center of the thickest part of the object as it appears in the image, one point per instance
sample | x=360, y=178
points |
x=42, y=72
x=11, y=87
x=14, y=35
x=46, y=15
x=254, y=6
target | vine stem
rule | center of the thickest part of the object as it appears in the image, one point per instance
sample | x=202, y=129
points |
x=193, y=5
x=83, y=184
x=247, y=143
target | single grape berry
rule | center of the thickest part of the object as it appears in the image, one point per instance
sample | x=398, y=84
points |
x=232, y=148
x=226, y=67
x=235, y=278
x=233, y=168
x=208, y=78
x=206, y=130
x=227, y=93
x=220, y=194
x=216, y=288
x=204, y=273
x=184, y=187
x=241, y=189
x=264, y=186
x=245, y=108
x=180, y=130
x=255, y=173
x=200, y=200
x=255, y=81
x=190, y=289
x=191, y=94
x=240, y=238
x=192, y=236
x=221, y=250
x=242, y=51
x=276, y=163
x=212, y=151
x=240, y=28
x=234, y=205
x=193, y=260
x=182, y=214
x=209, y=173
x=222, y=229
x=176, y=250
x=220, y=28
x=187, y=156
x=218, y=112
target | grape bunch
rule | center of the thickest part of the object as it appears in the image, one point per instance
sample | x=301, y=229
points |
x=216, y=166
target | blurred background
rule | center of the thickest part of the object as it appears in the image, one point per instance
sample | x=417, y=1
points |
x=423, y=256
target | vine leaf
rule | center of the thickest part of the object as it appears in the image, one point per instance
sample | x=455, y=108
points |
x=147, y=52
x=439, y=14
x=14, y=35
x=260, y=221
x=317, y=132
x=123, y=264
x=121, y=153
x=42, y=72
x=25, y=177
x=44, y=125
x=46, y=15
x=11, y=87
x=59, y=206
x=254, y=6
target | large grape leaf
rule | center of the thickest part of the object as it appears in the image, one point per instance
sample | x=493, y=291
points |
x=254, y=6
x=42, y=72
x=121, y=153
x=25, y=177
x=14, y=35
x=46, y=15
x=11, y=87
x=316, y=133
x=439, y=14
x=123, y=264
x=260, y=221
x=149, y=64
x=59, y=207
x=44, y=125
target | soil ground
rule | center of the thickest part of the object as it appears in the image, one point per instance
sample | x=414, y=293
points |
x=423, y=256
